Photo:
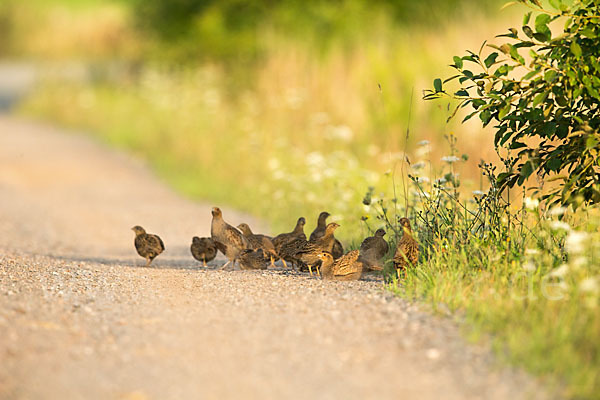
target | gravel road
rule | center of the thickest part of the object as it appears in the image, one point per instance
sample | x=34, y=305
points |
x=81, y=318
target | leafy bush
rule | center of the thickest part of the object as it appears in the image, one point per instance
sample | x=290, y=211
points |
x=546, y=103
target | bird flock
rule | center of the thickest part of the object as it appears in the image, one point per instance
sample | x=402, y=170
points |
x=321, y=254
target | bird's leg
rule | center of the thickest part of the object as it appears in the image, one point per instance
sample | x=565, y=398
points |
x=148, y=261
x=272, y=262
x=204, y=262
x=284, y=263
x=310, y=270
x=398, y=273
x=226, y=264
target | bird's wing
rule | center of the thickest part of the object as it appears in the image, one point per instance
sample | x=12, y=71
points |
x=236, y=238
x=221, y=247
x=347, y=264
x=154, y=242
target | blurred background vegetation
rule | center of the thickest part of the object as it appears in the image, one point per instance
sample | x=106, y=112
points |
x=304, y=104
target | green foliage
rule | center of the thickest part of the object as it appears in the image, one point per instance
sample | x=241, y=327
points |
x=232, y=29
x=546, y=107
x=526, y=277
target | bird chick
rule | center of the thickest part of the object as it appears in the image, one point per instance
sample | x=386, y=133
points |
x=338, y=249
x=253, y=259
x=258, y=241
x=286, y=244
x=228, y=239
x=321, y=226
x=203, y=249
x=407, y=249
x=373, y=249
x=307, y=253
x=147, y=245
x=349, y=267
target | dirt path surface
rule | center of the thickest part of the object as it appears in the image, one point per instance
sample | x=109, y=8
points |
x=81, y=318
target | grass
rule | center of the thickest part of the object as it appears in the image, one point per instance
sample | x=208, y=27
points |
x=306, y=131
x=527, y=277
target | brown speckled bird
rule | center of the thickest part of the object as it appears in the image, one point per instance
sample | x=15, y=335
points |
x=338, y=249
x=258, y=241
x=147, y=245
x=203, y=249
x=373, y=249
x=228, y=239
x=307, y=253
x=407, y=250
x=349, y=267
x=253, y=259
x=287, y=243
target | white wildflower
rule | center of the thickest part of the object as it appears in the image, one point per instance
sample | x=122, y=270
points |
x=372, y=150
x=589, y=285
x=560, y=271
x=558, y=225
x=450, y=159
x=315, y=159
x=441, y=181
x=317, y=176
x=419, y=165
x=341, y=132
x=278, y=175
x=329, y=172
x=579, y=262
x=423, y=151
x=423, y=143
x=294, y=98
x=366, y=208
x=422, y=179
x=478, y=193
x=531, y=204
x=575, y=242
x=320, y=118
x=532, y=252
x=529, y=266
x=557, y=211
x=273, y=164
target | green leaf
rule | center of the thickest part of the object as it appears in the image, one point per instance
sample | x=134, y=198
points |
x=458, y=62
x=437, y=85
x=541, y=23
x=462, y=92
x=553, y=164
x=491, y=59
x=526, y=18
x=540, y=98
x=589, y=33
x=504, y=110
x=575, y=49
x=550, y=76
x=527, y=31
x=531, y=74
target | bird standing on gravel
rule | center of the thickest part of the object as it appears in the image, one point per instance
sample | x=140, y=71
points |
x=147, y=245
x=203, y=249
x=307, y=253
x=373, y=249
x=287, y=243
x=349, y=267
x=228, y=239
x=407, y=250
x=258, y=241
x=253, y=259
x=338, y=249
